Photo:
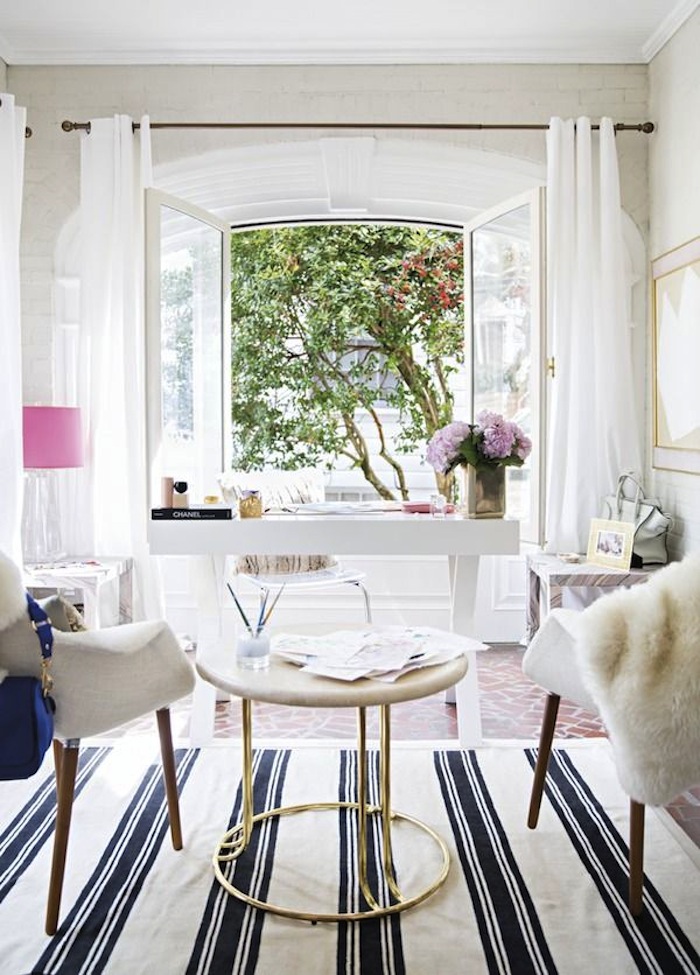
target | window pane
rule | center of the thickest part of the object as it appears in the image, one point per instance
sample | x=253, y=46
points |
x=191, y=350
x=501, y=301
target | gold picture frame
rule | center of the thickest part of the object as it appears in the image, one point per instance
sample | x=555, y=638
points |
x=610, y=543
x=675, y=355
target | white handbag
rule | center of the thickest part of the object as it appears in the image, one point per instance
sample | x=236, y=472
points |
x=629, y=503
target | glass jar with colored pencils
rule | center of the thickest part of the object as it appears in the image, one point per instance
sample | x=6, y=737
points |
x=253, y=644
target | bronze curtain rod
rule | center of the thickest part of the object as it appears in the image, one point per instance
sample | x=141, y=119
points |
x=645, y=127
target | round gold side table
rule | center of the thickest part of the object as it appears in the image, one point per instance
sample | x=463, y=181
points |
x=285, y=683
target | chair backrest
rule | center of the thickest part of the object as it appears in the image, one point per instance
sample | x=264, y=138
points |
x=638, y=651
x=13, y=602
x=278, y=488
x=19, y=653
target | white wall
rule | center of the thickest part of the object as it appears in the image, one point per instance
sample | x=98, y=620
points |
x=3, y=75
x=674, y=79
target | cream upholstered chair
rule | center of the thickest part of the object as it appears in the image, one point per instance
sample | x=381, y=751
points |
x=102, y=679
x=634, y=657
x=269, y=573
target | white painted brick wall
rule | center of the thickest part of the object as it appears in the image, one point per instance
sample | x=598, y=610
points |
x=674, y=77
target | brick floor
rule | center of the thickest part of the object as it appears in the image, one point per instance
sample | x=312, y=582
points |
x=511, y=707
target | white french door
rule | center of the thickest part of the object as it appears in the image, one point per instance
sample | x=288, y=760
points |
x=187, y=326
x=188, y=335
x=505, y=331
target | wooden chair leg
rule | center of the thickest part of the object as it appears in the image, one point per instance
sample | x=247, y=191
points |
x=636, y=857
x=549, y=721
x=57, y=759
x=66, y=766
x=168, y=759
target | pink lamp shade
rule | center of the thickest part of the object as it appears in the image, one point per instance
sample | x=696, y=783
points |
x=53, y=436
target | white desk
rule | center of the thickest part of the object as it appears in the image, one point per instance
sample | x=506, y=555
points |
x=462, y=540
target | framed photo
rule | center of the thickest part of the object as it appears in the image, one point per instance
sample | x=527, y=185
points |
x=610, y=543
x=676, y=354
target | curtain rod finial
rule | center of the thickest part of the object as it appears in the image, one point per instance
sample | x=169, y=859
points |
x=69, y=126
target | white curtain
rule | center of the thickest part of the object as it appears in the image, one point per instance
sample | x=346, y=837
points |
x=594, y=430
x=12, y=126
x=115, y=168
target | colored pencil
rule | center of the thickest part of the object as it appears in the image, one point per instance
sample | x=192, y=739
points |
x=274, y=603
x=240, y=610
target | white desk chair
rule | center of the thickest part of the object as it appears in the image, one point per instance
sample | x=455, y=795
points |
x=311, y=580
x=102, y=679
x=634, y=657
x=300, y=573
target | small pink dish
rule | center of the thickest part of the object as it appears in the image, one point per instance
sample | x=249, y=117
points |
x=422, y=508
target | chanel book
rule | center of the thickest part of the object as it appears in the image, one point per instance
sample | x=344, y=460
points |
x=204, y=512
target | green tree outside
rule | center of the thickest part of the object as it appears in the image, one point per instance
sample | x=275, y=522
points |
x=331, y=322
x=177, y=351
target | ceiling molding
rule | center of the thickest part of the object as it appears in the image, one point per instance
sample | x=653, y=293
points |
x=668, y=27
x=37, y=32
x=623, y=52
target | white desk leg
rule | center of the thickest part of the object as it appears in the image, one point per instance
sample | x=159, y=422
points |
x=207, y=583
x=464, y=574
x=204, y=696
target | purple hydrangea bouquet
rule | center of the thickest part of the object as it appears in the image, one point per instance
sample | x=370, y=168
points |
x=489, y=443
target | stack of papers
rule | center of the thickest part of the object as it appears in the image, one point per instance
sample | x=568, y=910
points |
x=381, y=653
x=343, y=507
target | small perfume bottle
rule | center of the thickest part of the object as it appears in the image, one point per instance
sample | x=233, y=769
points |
x=181, y=498
x=166, y=492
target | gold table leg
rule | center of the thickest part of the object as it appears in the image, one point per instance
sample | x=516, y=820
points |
x=385, y=798
x=362, y=809
x=235, y=840
x=384, y=808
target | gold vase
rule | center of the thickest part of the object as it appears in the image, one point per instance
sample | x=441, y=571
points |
x=484, y=492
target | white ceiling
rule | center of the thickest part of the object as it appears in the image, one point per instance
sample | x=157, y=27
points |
x=336, y=31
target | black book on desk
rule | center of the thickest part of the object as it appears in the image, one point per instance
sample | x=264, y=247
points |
x=204, y=512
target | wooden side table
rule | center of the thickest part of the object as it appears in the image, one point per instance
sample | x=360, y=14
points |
x=103, y=586
x=548, y=576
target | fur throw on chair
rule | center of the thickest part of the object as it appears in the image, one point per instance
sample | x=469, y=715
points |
x=639, y=654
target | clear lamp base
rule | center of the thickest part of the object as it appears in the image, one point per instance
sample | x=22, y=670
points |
x=41, y=526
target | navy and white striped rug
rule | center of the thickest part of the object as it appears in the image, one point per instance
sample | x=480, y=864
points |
x=516, y=901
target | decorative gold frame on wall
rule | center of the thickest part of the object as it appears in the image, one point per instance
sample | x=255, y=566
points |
x=675, y=366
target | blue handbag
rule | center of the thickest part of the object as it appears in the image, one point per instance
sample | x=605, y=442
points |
x=27, y=708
